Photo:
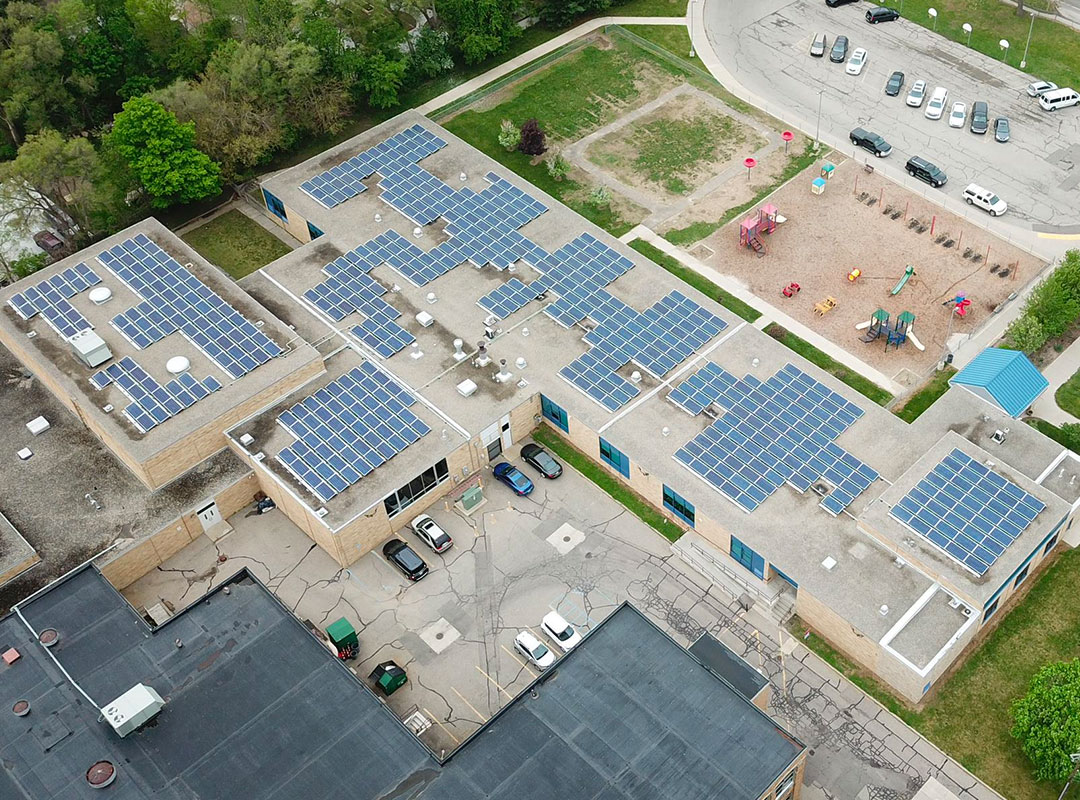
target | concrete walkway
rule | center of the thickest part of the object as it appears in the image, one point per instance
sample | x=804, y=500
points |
x=1060, y=370
x=769, y=313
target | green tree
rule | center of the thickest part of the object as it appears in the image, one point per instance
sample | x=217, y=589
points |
x=558, y=167
x=1046, y=721
x=560, y=13
x=161, y=154
x=480, y=28
x=600, y=196
x=509, y=135
x=1026, y=333
x=381, y=78
x=429, y=54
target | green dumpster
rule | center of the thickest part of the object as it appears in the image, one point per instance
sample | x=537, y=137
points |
x=343, y=636
x=389, y=677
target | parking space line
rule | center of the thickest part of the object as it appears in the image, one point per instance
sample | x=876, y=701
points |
x=470, y=705
x=444, y=728
x=513, y=655
x=494, y=682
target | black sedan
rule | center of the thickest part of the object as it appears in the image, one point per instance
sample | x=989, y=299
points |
x=838, y=54
x=541, y=460
x=1001, y=129
x=405, y=559
x=894, y=84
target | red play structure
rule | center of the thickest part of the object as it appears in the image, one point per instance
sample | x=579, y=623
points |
x=753, y=228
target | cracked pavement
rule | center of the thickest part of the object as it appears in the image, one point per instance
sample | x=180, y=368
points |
x=503, y=575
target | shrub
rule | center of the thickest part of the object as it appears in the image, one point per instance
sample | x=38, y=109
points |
x=1026, y=333
x=558, y=167
x=509, y=135
x=600, y=196
x=533, y=140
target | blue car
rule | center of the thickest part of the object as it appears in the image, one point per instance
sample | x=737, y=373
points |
x=514, y=478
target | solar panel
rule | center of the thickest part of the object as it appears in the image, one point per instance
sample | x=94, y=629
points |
x=50, y=298
x=151, y=403
x=347, y=429
x=967, y=511
x=508, y=298
x=173, y=299
x=771, y=433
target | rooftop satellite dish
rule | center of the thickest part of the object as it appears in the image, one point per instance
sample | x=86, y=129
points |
x=177, y=365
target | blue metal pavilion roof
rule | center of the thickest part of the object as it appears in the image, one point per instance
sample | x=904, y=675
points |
x=1004, y=377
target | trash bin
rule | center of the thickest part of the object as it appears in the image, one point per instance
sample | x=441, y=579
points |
x=389, y=677
x=343, y=636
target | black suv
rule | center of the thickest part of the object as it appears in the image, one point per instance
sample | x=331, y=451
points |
x=405, y=559
x=980, y=117
x=876, y=15
x=925, y=171
x=835, y=3
x=868, y=140
x=838, y=54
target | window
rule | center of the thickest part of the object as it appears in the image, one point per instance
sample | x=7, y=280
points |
x=784, y=577
x=926, y=688
x=786, y=788
x=614, y=458
x=679, y=507
x=416, y=488
x=276, y=207
x=554, y=413
x=1051, y=543
x=748, y=558
x=1022, y=576
x=313, y=232
x=990, y=610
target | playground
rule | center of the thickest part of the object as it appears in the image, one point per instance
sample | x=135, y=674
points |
x=875, y=268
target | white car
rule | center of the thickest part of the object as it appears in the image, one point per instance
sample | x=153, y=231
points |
x=917, y=94
x=985, y=199
x=1039, y=88
x=957, y=115
x=560, y=631
x=429, y=532
x=936, y=107
x=857, y=61
x=538, y=653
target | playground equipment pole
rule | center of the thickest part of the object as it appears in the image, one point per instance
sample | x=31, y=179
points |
x=933, y=222
x=817, y=130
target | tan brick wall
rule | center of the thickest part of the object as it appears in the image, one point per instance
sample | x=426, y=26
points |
x=523, y=418
x=296, y=224
x=19, y=568
x=800, y=764
x=840, y=633
x=371, y=529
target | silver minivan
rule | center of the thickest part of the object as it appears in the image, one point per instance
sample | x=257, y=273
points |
x=1059, y=98
x=985, y=199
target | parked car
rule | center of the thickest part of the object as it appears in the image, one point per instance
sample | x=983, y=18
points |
x=868, y=140
x=894, y=84
x=541, y=460
x=429, y=532
x=405, y=559
x=857, y=61
x=917, y=94
x=925, y=171
x=985, y=199
x=538, y=653
x=936, y=107
x=957, y=115
x=1058, y=98
x=980, y=117
x=1001, y=129
x=514, y=478
x=883, y=14
x=835, y=3
x=817, y=47
x=838, y=54
x=1039, y=88
x=561, y=631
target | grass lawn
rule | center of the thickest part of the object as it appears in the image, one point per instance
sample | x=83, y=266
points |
x=969, y=716
x=703, y=285
x=835, y=368
x=1068, y=395
x=648, y=8
x=673, y=38
x=618, y=490
x=925, y=397
x=1055, y=48
x=236, y=243
x=1065, y=436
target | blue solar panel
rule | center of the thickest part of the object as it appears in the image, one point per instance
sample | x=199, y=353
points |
x=173, y=299
x=51, y=297
x=771, y=433
x=347, y=429
x=508, y=298
x=967, y=510
x=151, y=403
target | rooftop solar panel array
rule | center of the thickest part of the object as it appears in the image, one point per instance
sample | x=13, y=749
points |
x=173, y=299
x=771, y=433
x=967, y=511
x=51, y=297
x=348, y=428
x=152, y=403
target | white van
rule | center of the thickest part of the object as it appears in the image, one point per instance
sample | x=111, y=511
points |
x=985, y=199
x=1059, y=98
x=936, y=107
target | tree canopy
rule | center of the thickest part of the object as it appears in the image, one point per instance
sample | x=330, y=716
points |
x=1047, y=720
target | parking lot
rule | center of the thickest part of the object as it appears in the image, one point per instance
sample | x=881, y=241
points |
x=767, y=48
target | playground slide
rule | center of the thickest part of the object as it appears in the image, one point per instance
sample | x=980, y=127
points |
x=908, y=272
x=914, y=340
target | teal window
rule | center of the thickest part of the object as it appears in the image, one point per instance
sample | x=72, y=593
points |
x=678, y=506
x=313, y=232
x=614, y=458
x=1050, y=544
x=555, y=414
x=990, y=610
x=748, y=558
x=276, y=207
x=784, y=577
x=1022, y=576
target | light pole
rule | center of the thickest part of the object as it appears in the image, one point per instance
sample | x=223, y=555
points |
x=1004, y=45
x=817, y=130
x=967, y=30
x=933, y=15
x=1075, y=758
x=1031, y=27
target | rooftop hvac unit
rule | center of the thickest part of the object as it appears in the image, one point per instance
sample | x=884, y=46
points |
x=90, y=348
x=133, y=709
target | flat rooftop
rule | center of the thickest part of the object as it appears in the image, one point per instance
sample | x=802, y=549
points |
x=257, y=708
x=54, y=355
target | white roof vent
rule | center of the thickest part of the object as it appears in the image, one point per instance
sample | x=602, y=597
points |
x=432, y=298
x=829, y=562
x=37, y=426
x=466, y=388
x=100, y=295
x=90, y=348
x=177, y=365
x=133, y=709
x=884, y=610
x=459, y=354
x=246, y=439
x=521, y=363
x=425, y=319
x=635, y=376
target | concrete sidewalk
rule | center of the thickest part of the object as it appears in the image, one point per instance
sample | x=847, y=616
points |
x=1060, y=370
